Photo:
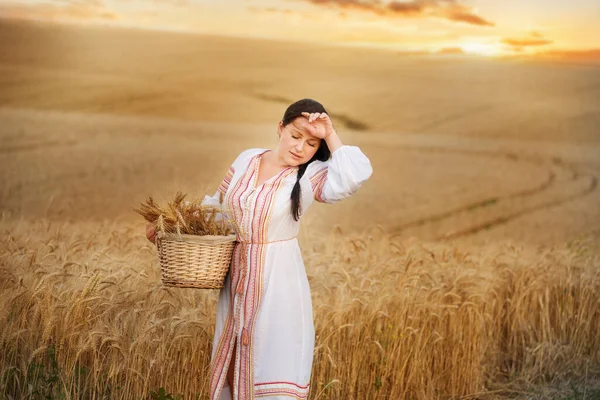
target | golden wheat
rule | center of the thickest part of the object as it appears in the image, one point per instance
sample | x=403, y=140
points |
x=185, y=218
x=393, y=319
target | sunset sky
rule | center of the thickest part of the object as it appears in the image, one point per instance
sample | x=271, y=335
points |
x=482, y=27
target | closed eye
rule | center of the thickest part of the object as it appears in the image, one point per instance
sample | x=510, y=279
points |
x=298, y=137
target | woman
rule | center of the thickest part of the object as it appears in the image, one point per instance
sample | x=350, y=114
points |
x=264, y=334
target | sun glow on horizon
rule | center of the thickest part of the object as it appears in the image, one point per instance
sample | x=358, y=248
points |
x=475, y=28
x=483, y=49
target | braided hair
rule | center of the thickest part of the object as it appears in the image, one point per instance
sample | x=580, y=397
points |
x=294, y=111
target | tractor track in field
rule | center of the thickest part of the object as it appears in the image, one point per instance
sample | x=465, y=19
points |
x=592, y=185
x=42, y=145
x=571, y=172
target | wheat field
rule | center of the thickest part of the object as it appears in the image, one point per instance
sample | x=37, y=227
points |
x=467, y=267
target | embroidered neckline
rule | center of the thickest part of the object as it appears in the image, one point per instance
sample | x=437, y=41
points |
x=257, y=169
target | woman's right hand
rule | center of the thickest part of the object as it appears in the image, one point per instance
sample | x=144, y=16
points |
x=151, y=232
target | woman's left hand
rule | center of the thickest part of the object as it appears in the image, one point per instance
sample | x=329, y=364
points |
x=323, y=127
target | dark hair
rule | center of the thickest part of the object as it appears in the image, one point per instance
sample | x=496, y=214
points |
x=294, y=111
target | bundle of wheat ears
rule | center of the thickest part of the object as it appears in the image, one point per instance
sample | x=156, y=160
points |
x=181, y=217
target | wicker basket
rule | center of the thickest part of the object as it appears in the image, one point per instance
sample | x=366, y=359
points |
x=193, y=261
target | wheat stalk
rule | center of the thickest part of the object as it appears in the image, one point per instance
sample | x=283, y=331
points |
x=185, y=218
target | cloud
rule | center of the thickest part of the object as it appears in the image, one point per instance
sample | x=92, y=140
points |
x=271, y=10
x=526, y=42
x=60, y=10
x=80, y=3
x=444, y=51
x=450, y=10
x=469, y=18
x=413, y=53
x=451, y=50
x=583, y=56
x=408, y=9
x=177, y=3
x=533, y=39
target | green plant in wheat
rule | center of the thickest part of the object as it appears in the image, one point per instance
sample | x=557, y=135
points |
x=163, y=395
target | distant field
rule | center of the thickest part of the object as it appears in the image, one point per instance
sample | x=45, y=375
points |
x=477, y=163
x=477, y=148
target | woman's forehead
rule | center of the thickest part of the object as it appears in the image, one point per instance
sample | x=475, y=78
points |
x=302, y=124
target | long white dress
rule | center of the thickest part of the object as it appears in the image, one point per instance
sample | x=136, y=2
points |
x=265, y=305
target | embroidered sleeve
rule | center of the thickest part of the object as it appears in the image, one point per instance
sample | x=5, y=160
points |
x=341, y=176
x=226, y=181
x=317, y=181
x=239, y=162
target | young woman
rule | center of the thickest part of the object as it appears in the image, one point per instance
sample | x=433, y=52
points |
x=264, y=335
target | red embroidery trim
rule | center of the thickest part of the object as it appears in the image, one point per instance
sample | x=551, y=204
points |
x=318, y=183
x=283, y=383
x=256, y=238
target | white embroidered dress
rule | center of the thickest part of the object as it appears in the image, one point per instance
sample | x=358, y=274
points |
x=265, y=305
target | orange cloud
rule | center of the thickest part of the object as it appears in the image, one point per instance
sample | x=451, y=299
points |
x=444, y=51
x=271, y=10
x=451, y=50
x=534, y=39
x=80, y=3
x=409, y=9
x=178, y=3
x=64, y=10
x=585, y=56
x=413, y=53
x=469, y=18
x=446, y=9
x=526, y=42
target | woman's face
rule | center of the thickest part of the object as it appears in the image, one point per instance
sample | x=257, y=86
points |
x=296, y=145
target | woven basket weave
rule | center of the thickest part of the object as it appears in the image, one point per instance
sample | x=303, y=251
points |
x=193, y=261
